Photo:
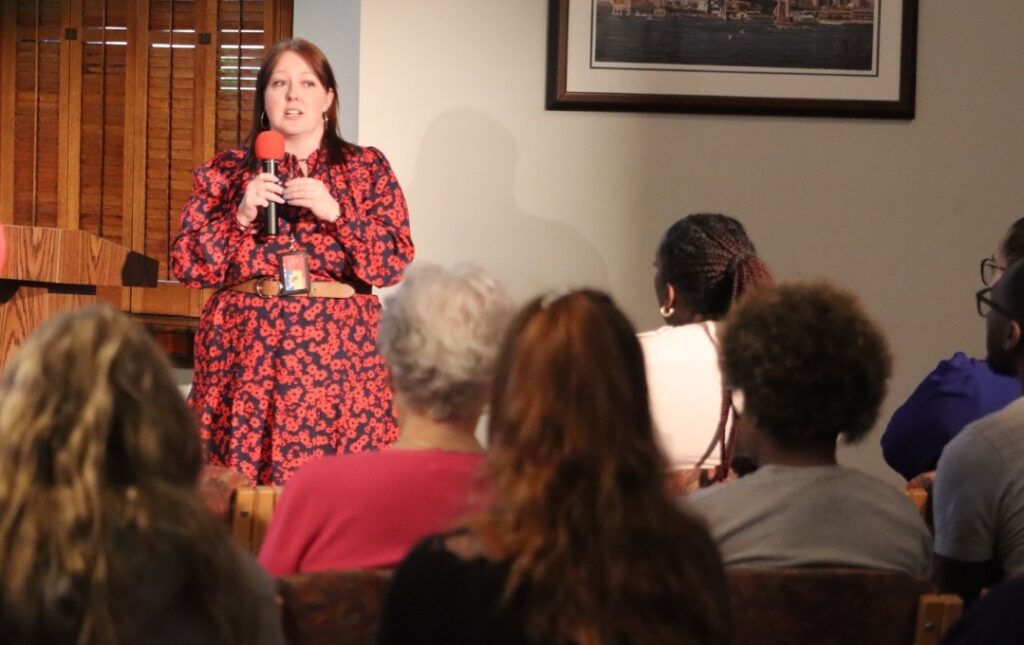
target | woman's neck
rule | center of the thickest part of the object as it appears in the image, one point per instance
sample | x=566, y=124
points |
x=305, y=145
x=684, y=318
x=420, y=432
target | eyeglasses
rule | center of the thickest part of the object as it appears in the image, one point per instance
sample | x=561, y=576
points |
x=986, y=305
x=990, y=271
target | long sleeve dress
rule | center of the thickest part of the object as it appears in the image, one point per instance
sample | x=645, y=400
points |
x=280, y=380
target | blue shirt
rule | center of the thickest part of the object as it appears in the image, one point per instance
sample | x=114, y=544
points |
x=957, y=392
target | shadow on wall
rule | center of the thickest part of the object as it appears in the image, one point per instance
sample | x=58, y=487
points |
x=464, y=209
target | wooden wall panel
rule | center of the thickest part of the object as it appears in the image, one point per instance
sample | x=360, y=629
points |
x=21, y=309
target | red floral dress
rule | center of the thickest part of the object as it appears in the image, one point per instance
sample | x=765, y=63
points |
x=280, y=380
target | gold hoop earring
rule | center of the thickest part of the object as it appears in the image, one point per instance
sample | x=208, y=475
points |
x=263, y=117
x=666, y=311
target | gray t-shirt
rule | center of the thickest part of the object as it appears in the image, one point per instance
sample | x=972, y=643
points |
x=808, y=516
x=979, y=492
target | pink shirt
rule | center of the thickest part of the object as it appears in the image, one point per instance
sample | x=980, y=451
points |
x=367, y=510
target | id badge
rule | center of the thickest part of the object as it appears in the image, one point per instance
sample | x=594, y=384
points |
x=294, y=273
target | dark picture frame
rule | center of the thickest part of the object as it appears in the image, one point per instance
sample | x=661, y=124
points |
x=578, y=80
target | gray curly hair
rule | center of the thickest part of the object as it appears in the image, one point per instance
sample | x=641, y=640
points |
x=440, y=332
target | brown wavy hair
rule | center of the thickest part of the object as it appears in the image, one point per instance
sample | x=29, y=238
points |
x=98, y=449
x=332, y=141
x=596, y=549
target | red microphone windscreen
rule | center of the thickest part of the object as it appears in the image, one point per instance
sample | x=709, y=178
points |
x=269, y=145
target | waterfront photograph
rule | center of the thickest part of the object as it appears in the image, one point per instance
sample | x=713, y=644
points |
x=814, y=35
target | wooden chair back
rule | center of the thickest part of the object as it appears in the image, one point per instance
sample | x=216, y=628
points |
x=217, y=487
x=919, y=490
x=251, y=510
x=333, y=607
x=835, y=606
x=936, y=613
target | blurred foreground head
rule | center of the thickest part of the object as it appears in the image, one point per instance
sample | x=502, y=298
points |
x=593, y=540
x=99, y=457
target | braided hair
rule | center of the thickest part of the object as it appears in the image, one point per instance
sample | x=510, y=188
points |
x=710, y=262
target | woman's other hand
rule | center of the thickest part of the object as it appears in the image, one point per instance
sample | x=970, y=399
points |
x=307, y=192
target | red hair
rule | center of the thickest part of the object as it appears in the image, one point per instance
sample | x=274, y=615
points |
x=595, y=546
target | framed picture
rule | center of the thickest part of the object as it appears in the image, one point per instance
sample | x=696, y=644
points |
x=839, y=58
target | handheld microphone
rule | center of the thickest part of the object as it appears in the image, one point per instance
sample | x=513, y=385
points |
x=269, y=150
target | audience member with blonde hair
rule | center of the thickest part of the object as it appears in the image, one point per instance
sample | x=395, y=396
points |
x=103, y=538
x=439, y=335
x=807, y=366
x=582, y=543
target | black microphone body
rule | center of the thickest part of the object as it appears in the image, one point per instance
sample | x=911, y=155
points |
x=270, y=165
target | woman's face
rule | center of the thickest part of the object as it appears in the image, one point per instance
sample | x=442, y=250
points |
x=295, y=99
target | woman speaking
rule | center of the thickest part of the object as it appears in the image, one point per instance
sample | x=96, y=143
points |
x=286, y=363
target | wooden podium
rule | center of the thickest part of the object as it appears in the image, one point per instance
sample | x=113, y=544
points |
x=52, y=270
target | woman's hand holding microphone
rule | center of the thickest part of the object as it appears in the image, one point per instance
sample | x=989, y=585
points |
x=259, y=192
x=304, y=192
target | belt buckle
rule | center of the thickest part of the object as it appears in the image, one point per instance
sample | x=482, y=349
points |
x=259, y=287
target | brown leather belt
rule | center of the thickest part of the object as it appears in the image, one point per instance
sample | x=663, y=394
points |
x=271, y=288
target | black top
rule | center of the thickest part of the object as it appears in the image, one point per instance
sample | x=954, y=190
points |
x=438, y=597
x=993, y=620
x=447, y=592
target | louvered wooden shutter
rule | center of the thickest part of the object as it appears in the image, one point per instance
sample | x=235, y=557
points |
x=34, y=82
x=173, y=120
x=107, y=106
x=104, y=169
x=202, y=64
x=243, y=42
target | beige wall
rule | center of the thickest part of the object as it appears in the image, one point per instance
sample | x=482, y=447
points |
x=900, y=212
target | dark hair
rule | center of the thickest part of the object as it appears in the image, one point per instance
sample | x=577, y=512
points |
x=1013, y=243
x=98, y=450
x=594, y=544
x=336, y=146
x=710, y=262
x=810, y=362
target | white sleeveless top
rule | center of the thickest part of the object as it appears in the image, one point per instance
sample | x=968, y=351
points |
x=685, y=385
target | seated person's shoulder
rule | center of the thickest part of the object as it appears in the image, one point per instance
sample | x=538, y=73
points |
x=989, y=434
x=458, y=544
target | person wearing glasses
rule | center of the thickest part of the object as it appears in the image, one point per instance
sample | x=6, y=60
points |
x=979, y=484
x=958, y=391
